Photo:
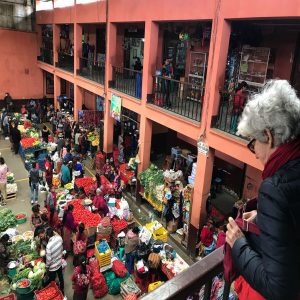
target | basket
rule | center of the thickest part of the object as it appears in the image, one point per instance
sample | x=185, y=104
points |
x=154, y=285
x=159, y=234
x=8, y=297
x=103, y=259
x=57, y=294
x=25, y=290
x=23, y=220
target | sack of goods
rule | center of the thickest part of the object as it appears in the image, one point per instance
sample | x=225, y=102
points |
x=118, y=268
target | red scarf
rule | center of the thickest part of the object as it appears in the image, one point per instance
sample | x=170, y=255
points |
x=280, y=157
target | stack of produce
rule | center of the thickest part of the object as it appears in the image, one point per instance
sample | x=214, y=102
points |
x=30, y=142
x=51, y=292
x=10, y=177
x=31, y=132
x=83, y=215
x=23, y=249
x=98, y=282
x=93, y=138
x=87, y=183
x=151, y=178
x=7, y=219
x=118, y=226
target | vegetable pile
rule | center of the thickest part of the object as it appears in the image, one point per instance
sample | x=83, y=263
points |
x=83, y=215
x=21, y=248
x=7, y=219
x=86, y=183
x=50, y=292
x=118, y=225
x=23, y=283
x=29, y=142
x=20, y=216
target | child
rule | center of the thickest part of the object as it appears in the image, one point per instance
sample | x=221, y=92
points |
x=35, y=219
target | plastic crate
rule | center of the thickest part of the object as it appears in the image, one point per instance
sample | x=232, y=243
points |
x=8, y=297
x=158, y=234
x=56, y=295
x=103, y=259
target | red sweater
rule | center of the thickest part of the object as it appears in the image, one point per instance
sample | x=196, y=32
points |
x=206, y=236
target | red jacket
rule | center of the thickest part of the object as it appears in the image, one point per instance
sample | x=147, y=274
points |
x=206, y=236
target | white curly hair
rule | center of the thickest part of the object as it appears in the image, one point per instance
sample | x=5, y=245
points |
x=276, y=108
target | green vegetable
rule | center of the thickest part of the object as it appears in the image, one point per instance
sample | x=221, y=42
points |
x=7, y=219
x=22, y=274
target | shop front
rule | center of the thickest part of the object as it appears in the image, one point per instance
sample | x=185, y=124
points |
x=258, y=51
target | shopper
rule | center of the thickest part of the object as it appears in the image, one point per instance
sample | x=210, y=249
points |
x=238, y=104
x=138, y=77
x=48, y=171
x=50, y=201
x=45, y=134
x=80, y=243
x=40, y=240
x=8, y=101
x=65, y=174
x=269, y=262
x=69, y=227
x=117, y=183
x=3, y=180
x=16, y=137
x=5, y=124
x=34, y=178
x=100, y=204
x=81, y=280
x=54, y=255
x=131, y=242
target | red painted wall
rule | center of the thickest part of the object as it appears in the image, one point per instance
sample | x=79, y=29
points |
x=19, y=74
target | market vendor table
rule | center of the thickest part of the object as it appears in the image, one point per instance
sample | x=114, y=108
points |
x=173, y=267
x=126, y=175
x=157, y=206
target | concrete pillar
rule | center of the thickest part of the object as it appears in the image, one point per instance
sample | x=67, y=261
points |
x=56, y=91
x=145, y=143
x=77, y=46
x=109, y=62
x=78, y=100
x=150, y=56
x=56, y=42
x=200, y=194
x=218, y=51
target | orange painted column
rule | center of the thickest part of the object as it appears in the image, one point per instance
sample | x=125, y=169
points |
x=201, y=192
x=78, y=100
x=77, y=46
x=56, y=42
x=145, y=143
x=56, y=91
x=109, y=62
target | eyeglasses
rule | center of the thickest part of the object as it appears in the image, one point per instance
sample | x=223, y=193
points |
x=251, y=145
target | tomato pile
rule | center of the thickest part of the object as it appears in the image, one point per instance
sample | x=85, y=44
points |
x=47, y=293
x=118, y=225
x=23, y=283
x=86, y=183
x=84, y=216
x=20, y=216
x=28, y=142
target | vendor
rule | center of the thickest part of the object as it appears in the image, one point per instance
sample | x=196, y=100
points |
x=207, y=243
x=69, y=227
x=40, y=240
x=81, y=193
x=45, y=134
x=100, y=204
x=54, y=221
x=131, y=242
x=4, y=255
x=169, y=202
x=48, y=171
x=80, y=244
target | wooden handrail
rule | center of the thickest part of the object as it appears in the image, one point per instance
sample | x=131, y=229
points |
x=190, y=280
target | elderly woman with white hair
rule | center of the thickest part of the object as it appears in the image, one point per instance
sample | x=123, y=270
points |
x=269, y=263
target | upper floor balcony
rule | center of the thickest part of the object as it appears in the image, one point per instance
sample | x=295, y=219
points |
x=179, y=97
x=65, y=62
x=127, y=81
x=92, y=70
x=46, y=55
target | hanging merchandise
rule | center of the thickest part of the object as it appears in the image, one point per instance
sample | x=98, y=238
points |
x=115, y=107
x=90, y=118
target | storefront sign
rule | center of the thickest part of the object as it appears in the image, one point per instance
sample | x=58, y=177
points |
x=203, y=148
x=115, y=107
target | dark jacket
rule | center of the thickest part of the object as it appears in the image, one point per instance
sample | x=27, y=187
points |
x=270, y=262
x=15, y=135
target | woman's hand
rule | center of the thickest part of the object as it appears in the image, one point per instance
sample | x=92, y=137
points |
x=250, y=216
x=233, y=232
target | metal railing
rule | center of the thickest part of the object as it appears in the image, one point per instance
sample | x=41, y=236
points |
x=127, y=81
x=230, y=111
x=92, y=70
x=65, y=61
x=46, y=55
x=192, y=280
x=180, y=97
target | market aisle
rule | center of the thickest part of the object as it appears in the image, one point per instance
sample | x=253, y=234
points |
x=22, y=204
